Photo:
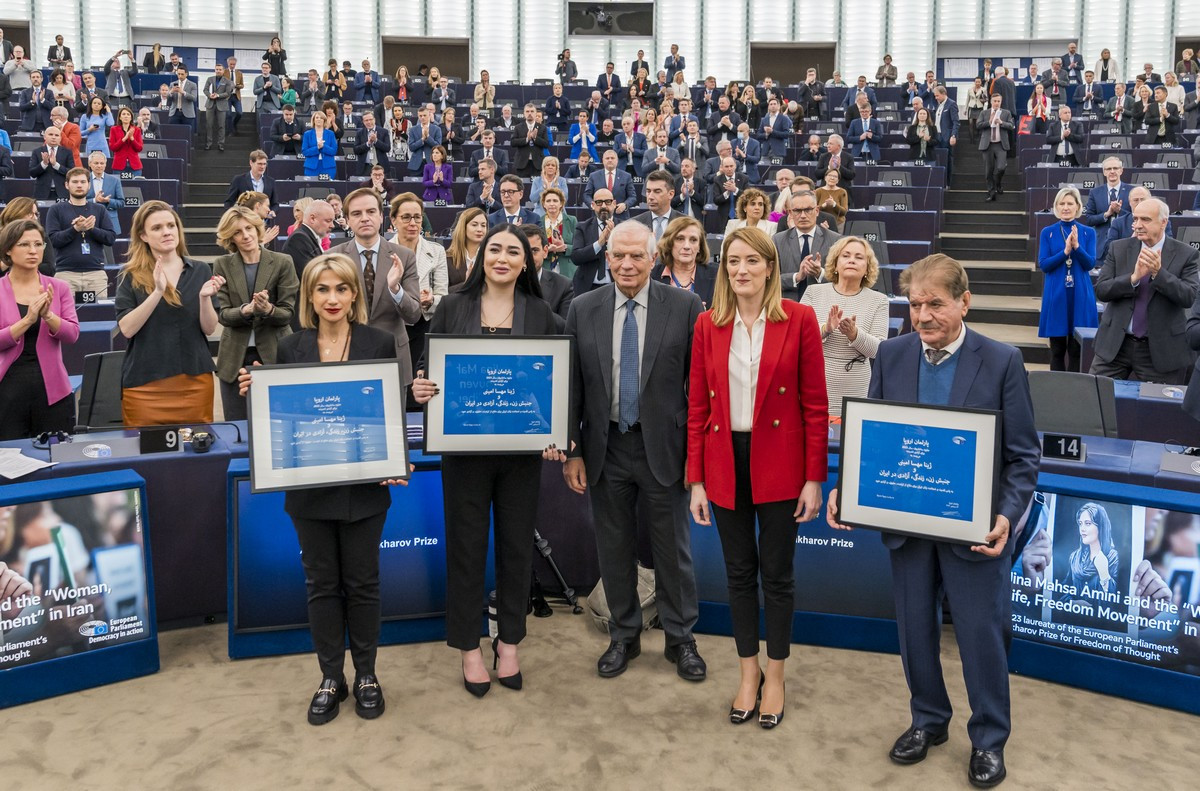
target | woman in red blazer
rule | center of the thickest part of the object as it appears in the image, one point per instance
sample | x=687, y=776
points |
x=757, y=444
x=125, y=142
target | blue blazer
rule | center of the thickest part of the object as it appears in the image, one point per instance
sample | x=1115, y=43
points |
x=990, y=375
x=1093, y=213
x=869, y=148
x=678, y=126
x=498, y=217
x=419, y=148
x=475, y=195
x=576, y=141
x=116, y=198
x=776, y=142
x=639, y=149
x=364, y=91
x=949, y=127
x=623, y=189
x=1052, y=259
x=852, y=95
x=753, y=155
x=319, y=160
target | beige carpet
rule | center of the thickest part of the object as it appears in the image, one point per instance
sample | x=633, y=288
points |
x=204, y=722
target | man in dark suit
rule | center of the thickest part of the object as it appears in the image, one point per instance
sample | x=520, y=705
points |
x=6, y=48
x=6, y=89
x=1072, y=63
x=693, y=144
x=48, y=165
x=1065, y=137
x=803, y=247
x=1007, y=89
x=366, y=84
x=617, y=182
x=660, y=194
x=1150, y=74
x=422, y=137
x=587, y=246
x=1149, y=283
x=860, y=89
x=512, y=190
x=865, y=133
x=489, y=151
x=1162, y=120
x=727, y=185
x=556, y=289
x=639, y=63
x=1056, y=83
x=747, y=153
x=775, y=130
x=811, y=95
x=712, y=166
x=287, y=132
x=945, y=119
x=529, y=141
x=1120, y=109
x=609, y=84
x=945, y=363
x=723, y=124
x=217, y=90
x=660, y=156
x=443, y=96
x=690, y=191
x=836, y=157
x=1122, y=225
x=994, y=125
x=372, y=146
x=630, y=146
x=6, y=168
x=632, y=350
x=597, y=107
x=145, y=121
x=1106, y=202
x=484, y=193
x=674, y=62
x=84, y=96
x=1089, y=95
x=304, y=243
x=388, y=271
x=35, y=104
x=256, y=180
x=582, y=167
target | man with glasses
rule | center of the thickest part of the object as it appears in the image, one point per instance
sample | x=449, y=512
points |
x=587, y=247
x=511, y=211
x=803, y=247
x=1106, y=202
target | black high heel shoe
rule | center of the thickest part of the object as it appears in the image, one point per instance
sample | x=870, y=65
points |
x=510, y=682
x=476, y=688
x=738, y=716
x=769, y=721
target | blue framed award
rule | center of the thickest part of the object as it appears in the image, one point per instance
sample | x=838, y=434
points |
x=497, y=394
x=321, y=424
x=919, y=470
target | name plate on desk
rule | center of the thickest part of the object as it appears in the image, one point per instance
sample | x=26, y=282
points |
x=159, y=440
x=324, y=424
x=499, y=394
x=1065, y=447
x=1181, y=463
x=925, y=471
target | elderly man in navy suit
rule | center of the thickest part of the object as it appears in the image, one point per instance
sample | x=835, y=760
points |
x=1106, y=202
x=945, y=363
x=366, y=84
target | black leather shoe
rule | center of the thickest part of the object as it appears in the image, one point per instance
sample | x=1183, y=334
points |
x=688, y=663
x=769, y=721
x=986, y=768
x=991, y=196
x=614, y=661
x=368, y=696
x=324, y=706
x=738, y=716
x=913, y=745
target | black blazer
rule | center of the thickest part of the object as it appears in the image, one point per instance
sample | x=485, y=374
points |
x=459, y=314
x=6, y=169
x=845, y=167
x=588, y=264
x=55, y=173
x=242, y=183
x=705, y=281
x=303, y=247
x=558, y=293
x=353, y=502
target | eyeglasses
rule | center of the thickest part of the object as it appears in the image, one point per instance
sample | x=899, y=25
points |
x=600, y=202
x=510, y=192
x=410, y=218
x=809, y=210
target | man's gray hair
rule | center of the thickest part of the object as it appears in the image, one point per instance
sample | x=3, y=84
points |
x=1163, y=210
x=633, y=228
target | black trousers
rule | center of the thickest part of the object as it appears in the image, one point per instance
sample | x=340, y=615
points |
x=341, y=568
x=233, y=406
x=24, y=410
x=771, y=556
x=1064, y=353
x=1133, y=362
x=474, y=488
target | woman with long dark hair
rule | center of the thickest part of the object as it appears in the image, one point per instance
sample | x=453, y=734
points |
x=1095, y=564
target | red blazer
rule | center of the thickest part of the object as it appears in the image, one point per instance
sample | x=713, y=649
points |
x=125, y=151
x=789, y=442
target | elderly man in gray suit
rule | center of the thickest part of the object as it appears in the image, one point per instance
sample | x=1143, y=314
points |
x=802, y=247
x=1149, y=283
x=628, y=424
x=388, y=273
x=994, y=125
x=217, y=90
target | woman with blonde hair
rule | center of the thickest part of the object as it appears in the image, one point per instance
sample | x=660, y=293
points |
x=757, y=451
x=679, y=87
x=260, y=204
x=1175, y=91
x=1066, y=256
x=747, y=107
x=854, y=318
x=255, y=303
x=550, y=178
x=339, y=527
x=165, y=310
x=469, y=230
x=560, y=231
x=752, y=210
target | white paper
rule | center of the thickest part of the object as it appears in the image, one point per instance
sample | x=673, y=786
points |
x=206, y=58
x=961, y=68
x=14, y=464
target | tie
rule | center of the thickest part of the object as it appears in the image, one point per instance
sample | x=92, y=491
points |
x=610, y=180
x=995, y=129
x=935, y=356
x=1162, y=120
x=487, y=153
x=1141, y=300
x=1112, y=194
x=806, y=247
x=369, y=275
x=659, y=222
x=628, y=398
x=512, y=219
x=692, y=150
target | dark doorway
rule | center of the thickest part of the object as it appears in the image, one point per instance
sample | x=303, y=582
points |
x=18, y=33
x=787, y=63
x=452, y=56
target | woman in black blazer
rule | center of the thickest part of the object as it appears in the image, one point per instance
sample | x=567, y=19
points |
x=501, y=296
x=684, y=260
x=339, y=527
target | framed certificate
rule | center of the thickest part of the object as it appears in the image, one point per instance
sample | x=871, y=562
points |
x=499, y=394
x=926, y=471
x=323, y=424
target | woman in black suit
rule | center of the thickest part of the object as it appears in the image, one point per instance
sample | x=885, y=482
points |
x=683, y=259
x=339, y=527
x=501, y=296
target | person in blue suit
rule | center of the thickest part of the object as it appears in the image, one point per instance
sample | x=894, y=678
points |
x=677, y=125
x=864, y=135
x=1066, y=256
x=1106, y=202
x=630, y=146
x=366, y=85
x=860, y=89
x=945, y=363
x=582, y=136
x=1122, y=225
x=945, y=115
x=319, y=146
x=422, y=137
x=623, y=191
x=106, y=185
x=747, y=152
x=512, y=192
x=774, y=130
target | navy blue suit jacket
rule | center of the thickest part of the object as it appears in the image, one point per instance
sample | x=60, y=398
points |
x=623, y=189
x=1093, y=213
x=990, y=375
x=949, y=126
x=475, y=195
x=498, y=217
x=868, y=148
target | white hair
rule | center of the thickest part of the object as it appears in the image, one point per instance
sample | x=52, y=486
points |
x=1163, y=210
x=633, y=228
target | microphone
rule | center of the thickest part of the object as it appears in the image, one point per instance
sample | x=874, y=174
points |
x=82, y=429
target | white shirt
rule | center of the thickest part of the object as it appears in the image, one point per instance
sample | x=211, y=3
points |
x=381, y=268
x=641, y=302
x=951, y=347
x=745, y=353
x=812, y=248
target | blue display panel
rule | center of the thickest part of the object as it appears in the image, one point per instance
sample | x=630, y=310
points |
x=88, y=616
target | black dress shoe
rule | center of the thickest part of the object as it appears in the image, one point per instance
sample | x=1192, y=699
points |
x=738, y=716
x=986, y=768
x=368, y=696
x=614, y=661
x=991, y=196
x=913, y=745
x=515, y=681
x=324, y=706
x=688, y=663
x=769, y=721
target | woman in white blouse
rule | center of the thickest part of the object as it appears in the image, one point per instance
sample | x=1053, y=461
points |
x=1175, y=91
x=408, y=213
x=853, y=316
x=751, y=211
x=1106, y=68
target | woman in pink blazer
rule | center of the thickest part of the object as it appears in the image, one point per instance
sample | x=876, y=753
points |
x=37, y=316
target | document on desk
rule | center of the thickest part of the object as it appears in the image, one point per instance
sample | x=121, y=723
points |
x=14, y=464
